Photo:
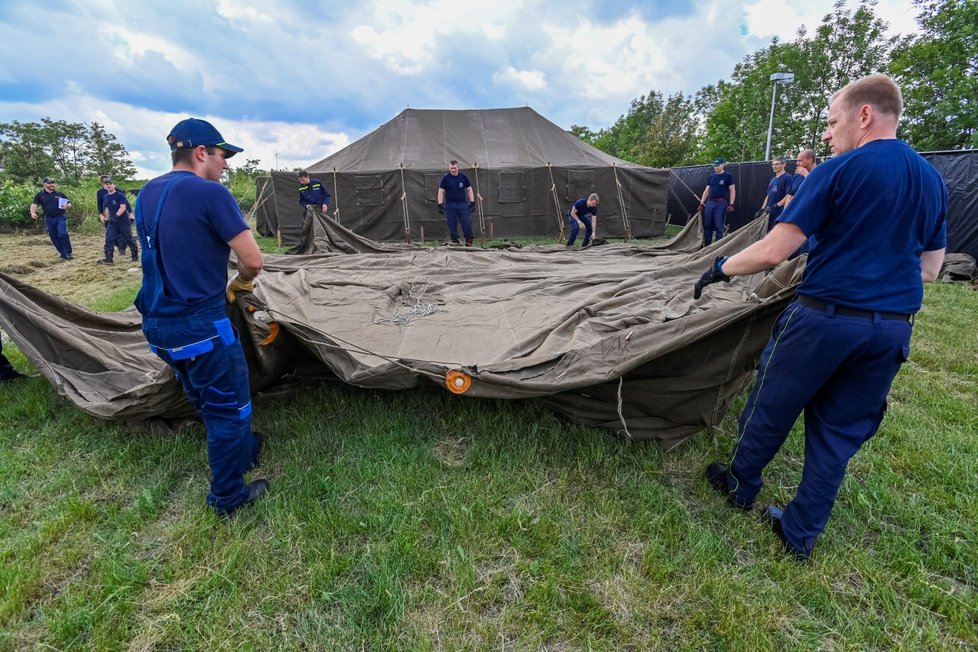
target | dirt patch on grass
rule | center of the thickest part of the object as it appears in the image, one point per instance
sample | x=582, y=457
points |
x=33, y=259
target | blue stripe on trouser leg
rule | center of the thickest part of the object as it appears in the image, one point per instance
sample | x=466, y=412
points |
x=838, y=370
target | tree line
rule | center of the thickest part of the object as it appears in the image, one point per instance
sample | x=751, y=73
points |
x=937, y=68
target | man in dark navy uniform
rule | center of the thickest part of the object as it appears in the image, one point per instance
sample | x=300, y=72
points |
x=116, y=217
x=100, y=194
x=878, y=211
x=583, y=214
x=313, y=195
x=456, y=201
x=188, y=224
x=53, y=205
x=717, y=200
x=777, y=191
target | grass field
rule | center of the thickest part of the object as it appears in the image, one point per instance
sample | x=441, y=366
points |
x=418, y=520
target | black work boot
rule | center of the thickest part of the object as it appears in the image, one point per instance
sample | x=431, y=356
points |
x=256, y=489
x=716, y=475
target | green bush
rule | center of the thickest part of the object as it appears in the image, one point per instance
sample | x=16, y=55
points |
x=15, y=206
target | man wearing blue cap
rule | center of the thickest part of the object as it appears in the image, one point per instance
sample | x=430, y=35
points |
x=188, y=224
x=54, y=204
x=717, y=200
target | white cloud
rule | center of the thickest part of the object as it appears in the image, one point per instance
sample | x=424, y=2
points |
x=530, y=80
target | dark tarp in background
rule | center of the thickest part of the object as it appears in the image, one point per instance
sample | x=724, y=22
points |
x=609, y=336
x=959, y=169
x=529, y=173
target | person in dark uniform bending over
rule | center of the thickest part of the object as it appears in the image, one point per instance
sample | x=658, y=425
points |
x=456, y=201
x=877, y=210
x=53, y=205
x=188, y=224
x=313, y=195
x=717, y=200
x=583, y=214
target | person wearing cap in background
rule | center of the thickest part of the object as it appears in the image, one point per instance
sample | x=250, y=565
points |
x=777, y=191
x=54, y=204
x=837, y=347
x=99, y=196
x=116, y=210
x=456, y=201
x=188, y=223
x=717, y=200
x=313, y=196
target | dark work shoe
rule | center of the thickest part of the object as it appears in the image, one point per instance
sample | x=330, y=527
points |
x=716, y=475
x=256, y=489
x=772, y=515
x=454, y=242
x=104, y=261
x=468, y=242
x=135, y=259
x=11, y=376
x=69, y=257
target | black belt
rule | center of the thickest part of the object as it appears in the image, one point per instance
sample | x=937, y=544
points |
x=842, y=311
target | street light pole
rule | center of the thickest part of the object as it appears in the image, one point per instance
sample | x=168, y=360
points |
x=777, y=78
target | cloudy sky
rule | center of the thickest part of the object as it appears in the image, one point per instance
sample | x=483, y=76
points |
x=293, y=82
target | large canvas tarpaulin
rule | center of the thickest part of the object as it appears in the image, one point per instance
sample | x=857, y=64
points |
x=959, y=169
x=609, y=336
x=527, y=170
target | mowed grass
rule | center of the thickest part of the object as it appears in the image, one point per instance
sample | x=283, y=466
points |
x=418, y=520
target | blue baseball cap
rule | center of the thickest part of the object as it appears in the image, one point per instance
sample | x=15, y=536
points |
x=718, y=161
x=192, y=133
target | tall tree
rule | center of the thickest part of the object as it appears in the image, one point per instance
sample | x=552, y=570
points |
x=24, y=151
x=938, y=73
x=106, y=155
x=669, y=138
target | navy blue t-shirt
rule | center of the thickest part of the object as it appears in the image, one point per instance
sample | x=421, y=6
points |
x=796, y=181
x=874, y=211
x=454, y=188
x=313, y=193
x=582, y=208
x=48, y=201
x=198, y=220
x=114, y=201
x=777, y=188
x=720, y=185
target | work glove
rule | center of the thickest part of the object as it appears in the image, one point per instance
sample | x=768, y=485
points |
x=712, y=275
x=471, y=205
x=764, y=211
x=441, y=208
x=730, y=208
x=701, y=208
x=239, y=285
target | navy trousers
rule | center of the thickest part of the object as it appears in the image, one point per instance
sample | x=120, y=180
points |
x=575, y=229
x=58, y=232
x=118, y=232
x=838, y=371
x=714, y=216
x=456, y=212
x=206, y=356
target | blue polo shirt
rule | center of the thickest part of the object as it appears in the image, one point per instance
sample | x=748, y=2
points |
x=48, y=201
x=777, y=188
x=796, y=181
x=198, y=220
x=313, y=193
x=454, y=187
x=113, y=201
x=874, y=211
x=720, y=185
x=583, y=209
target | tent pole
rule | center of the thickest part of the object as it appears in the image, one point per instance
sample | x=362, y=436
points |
x=478, y=198
x=621, y=202
x=404, y=207
x=336, y=197
x=553, y=191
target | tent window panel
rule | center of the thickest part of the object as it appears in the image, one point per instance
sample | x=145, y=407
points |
x=580, y=183
x=431, y=183
x=512, y=187
x=370, y=190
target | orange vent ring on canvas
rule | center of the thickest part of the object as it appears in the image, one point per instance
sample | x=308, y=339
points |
x=273, y=330
x=457, y=382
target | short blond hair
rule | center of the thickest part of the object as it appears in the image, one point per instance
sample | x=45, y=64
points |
x=594, y=196
x=879, y=91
